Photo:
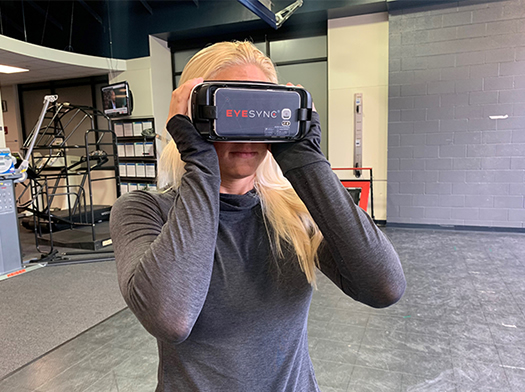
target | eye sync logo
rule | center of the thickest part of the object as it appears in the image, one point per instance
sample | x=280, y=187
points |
x=251, y=113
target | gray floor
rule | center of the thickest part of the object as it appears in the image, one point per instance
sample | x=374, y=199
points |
x=460, y=327
x=42, y=309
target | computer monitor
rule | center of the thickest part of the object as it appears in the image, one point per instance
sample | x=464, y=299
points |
x=117, y=99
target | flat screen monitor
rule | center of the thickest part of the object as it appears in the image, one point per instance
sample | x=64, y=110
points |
x=117, y=99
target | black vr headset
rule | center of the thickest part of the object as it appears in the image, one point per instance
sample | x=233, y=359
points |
x=250, y=111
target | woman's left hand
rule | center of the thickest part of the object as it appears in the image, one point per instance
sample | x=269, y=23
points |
x=310, y=142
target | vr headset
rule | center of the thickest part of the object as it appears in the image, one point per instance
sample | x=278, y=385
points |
x=250, y=111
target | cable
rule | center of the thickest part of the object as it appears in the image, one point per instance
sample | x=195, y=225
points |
x=25, y=163
x=24, y=20
x=111, y=72
x=45, y=23
x=1, y=22
x=70, y=48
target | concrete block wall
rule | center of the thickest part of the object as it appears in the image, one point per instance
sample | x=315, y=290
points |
x=450, y=70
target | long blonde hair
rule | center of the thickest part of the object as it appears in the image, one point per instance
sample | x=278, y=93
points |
x=286, y=217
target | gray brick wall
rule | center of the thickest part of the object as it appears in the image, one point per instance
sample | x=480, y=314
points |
x=452, y=67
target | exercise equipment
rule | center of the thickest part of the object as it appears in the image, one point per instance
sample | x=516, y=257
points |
x=10, y=253
x=62, y=154
x=61, y=219
x=63, y=163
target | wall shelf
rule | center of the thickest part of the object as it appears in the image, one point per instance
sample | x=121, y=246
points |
x=137, y=153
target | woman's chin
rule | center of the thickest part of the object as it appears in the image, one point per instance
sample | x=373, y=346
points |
x=242, y=175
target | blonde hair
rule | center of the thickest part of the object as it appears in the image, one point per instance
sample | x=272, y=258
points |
x=286, y=217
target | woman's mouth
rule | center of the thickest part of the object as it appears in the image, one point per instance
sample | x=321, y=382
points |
x=244, y=154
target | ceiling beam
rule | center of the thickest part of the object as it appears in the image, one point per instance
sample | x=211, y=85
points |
x=45, y=14
x=91, y=11
x=147, y=6
x=16, y=26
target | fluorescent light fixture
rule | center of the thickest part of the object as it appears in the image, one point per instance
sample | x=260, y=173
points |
x=262, y=8
x=9, y=70
x=501, y=117
x=261, y=11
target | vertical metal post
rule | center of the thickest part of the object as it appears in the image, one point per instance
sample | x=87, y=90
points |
x=68, y=186
x=115, y=156
x=88, y=168
x=358, y=133
x=372, y=194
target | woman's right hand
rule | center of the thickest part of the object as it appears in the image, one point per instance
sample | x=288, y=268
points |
x=180, y=127
x=180, y=96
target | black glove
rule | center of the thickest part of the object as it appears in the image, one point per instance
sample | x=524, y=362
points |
x=188, y=140
x=292, y=155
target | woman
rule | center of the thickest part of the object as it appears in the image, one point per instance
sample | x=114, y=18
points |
x=220, y=267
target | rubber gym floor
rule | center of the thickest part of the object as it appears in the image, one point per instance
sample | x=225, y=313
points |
x=459, y=327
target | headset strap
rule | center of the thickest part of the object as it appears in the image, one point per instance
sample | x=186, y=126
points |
x=208, y=112
x=304, y=114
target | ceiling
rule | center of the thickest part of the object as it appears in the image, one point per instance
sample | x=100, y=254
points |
x=42, y=70
x=39, y=26
x=92, y=27
x=119, y=29
x=59, y=24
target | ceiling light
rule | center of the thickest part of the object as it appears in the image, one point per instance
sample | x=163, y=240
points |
x=262, y=8
x=8, y=69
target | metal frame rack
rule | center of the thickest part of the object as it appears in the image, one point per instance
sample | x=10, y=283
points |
x=78, y=223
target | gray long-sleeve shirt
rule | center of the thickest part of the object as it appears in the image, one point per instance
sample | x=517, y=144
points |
x=196, y=268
